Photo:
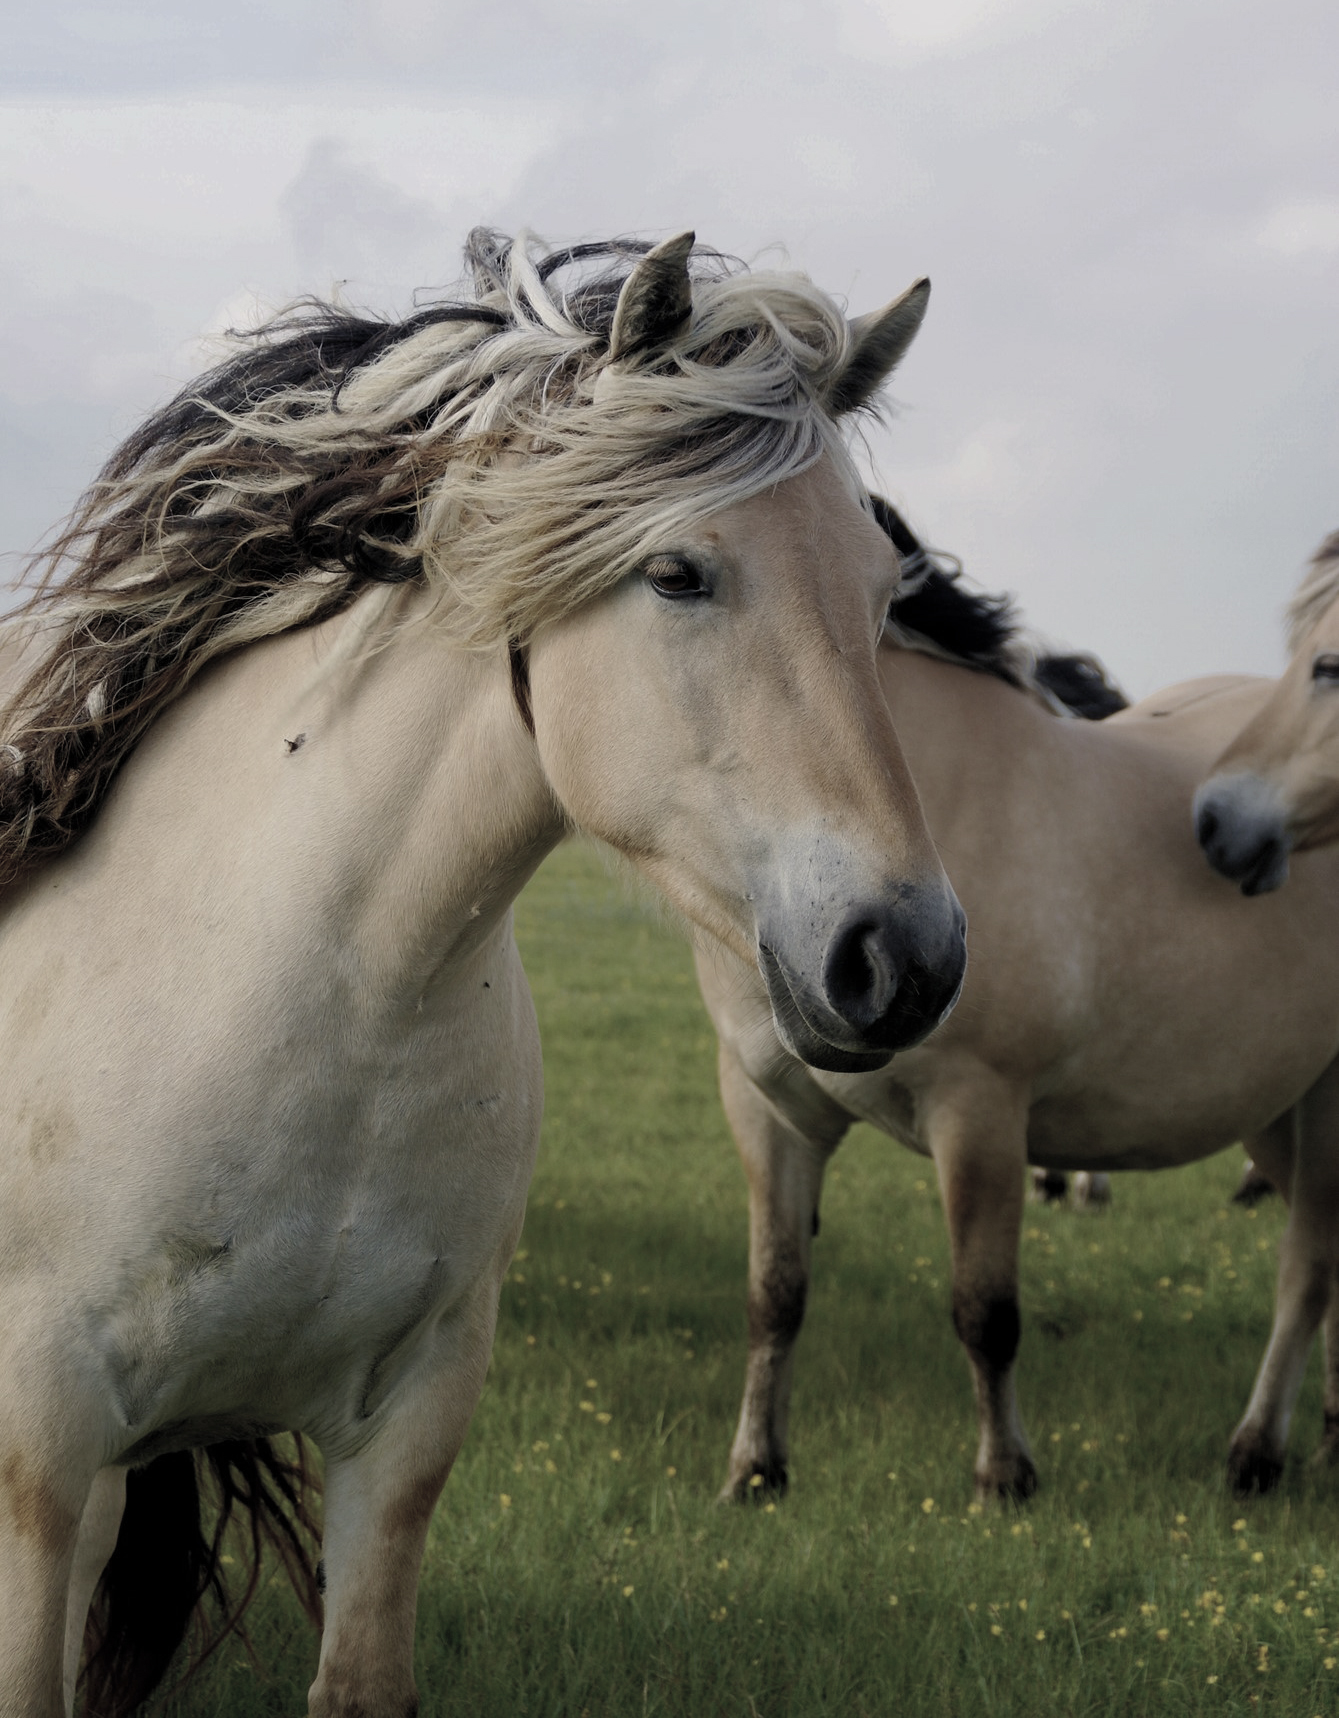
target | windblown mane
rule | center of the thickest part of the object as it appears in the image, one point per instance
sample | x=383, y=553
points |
x=1317, y=591
x=940, y=616
x=333, y=451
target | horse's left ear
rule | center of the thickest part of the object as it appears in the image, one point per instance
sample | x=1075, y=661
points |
x=878, y=342
x=656, y=300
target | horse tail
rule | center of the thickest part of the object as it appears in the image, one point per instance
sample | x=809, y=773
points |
x=168, y=1565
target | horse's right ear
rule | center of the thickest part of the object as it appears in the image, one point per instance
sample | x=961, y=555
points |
x=656, y=300
x=878, y=343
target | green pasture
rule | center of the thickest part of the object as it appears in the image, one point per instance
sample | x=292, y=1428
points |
x=579, y=1567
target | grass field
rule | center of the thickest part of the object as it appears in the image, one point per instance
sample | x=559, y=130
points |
x=578, y=1565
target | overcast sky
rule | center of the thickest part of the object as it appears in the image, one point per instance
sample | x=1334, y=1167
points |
x=1124, y=405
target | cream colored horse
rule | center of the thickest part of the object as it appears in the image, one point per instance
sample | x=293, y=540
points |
x=1274, y=790
x=1124, y=1009
x=270, y=1077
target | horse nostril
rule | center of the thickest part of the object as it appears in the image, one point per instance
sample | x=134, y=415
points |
x=860, y=975
x=1206, y=826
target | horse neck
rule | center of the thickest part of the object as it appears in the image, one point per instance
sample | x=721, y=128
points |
x=964, y=732
x=386, y=807
x=454, y=810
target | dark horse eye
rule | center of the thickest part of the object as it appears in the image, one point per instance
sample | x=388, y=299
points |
x=673, y=576
x=1326, y=667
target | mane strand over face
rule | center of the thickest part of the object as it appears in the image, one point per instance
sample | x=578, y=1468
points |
x=984, y=632
x=1318, y=590
x=490, y=448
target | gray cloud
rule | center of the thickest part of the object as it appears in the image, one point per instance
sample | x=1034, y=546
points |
x=1124, y=402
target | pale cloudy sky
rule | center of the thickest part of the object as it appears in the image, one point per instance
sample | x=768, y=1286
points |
x=1124, y=405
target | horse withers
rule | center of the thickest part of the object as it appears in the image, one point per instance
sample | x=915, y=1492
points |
x=1123, y=1009
x=1274, y=790
x=342, y=642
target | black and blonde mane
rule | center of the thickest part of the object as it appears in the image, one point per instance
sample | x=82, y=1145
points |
x=332, y=453
x=939, y=614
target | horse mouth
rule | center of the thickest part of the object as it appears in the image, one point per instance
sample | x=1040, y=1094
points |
x=819, y=1037
x=1269, y=870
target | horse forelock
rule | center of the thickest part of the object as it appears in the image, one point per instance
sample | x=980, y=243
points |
x=1316, y=593
x=332, y=450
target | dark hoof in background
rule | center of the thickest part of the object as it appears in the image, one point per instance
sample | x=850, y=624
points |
x=1252, y=1472
x=762, y=1483
x=1327, y=1454
x=1049, y=1187
x=1253, y=1187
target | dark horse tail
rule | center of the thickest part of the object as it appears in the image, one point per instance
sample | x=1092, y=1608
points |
x=168, y=1563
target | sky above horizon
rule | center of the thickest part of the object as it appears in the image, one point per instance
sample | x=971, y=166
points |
x=1124, y=405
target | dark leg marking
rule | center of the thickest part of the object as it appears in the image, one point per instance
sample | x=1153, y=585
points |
x=990, y=1329
x=776, y=1312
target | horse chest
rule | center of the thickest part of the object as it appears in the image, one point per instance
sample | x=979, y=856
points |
x=296, y=1299
x=272, y=1224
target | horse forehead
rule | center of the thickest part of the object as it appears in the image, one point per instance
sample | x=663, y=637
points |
x=1325, y=634
x=809, y=528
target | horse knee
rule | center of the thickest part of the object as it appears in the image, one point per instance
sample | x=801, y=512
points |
x=988, y=1327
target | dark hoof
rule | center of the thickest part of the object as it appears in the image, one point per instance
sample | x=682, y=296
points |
x=763, y=1482
x=1015, y=1485
x=1251, y=1471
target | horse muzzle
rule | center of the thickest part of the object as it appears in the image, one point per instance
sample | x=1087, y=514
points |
x=1241, y=824
x=885, y=976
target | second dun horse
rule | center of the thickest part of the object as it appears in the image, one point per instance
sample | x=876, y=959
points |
x=341, y=643
x=1275, y=789
x=1124, y=1009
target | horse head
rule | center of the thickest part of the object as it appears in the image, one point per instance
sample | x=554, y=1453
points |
x=1275, y=789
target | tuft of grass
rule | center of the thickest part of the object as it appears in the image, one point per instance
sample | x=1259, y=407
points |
x=579, y=1567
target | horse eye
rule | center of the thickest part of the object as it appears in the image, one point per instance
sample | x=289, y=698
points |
x=1326, y=667
x=672, y=576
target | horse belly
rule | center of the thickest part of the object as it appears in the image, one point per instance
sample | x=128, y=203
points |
x=1140, y=1117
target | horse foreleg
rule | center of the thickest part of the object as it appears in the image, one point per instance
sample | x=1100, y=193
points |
x=41, y=1503
x=378, y=1504
x=784, y=1162
x=1297, y=1155
x=98, y=1529
x=979, y=1146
